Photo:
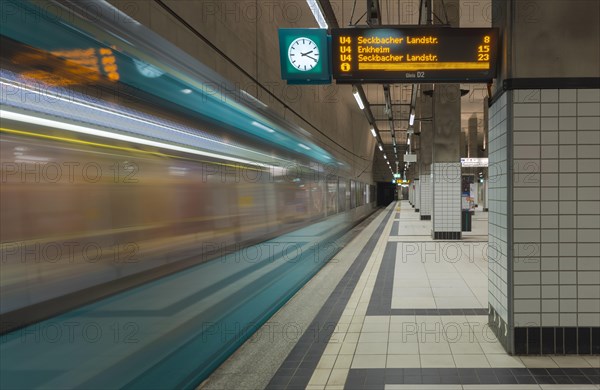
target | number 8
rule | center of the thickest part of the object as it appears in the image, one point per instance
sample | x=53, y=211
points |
x=486, y=39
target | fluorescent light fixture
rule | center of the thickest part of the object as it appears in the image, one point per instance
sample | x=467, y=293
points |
x=107, y=134
x=373, y=132
x=385, y=157
x=408, y=141
x=187, y=91
x=316, y=11
x=411, y=120
x=358, y=98
x=380, y=147
x=263, y=127
x=304, y=146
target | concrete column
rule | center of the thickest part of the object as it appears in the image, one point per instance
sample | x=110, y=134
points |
x=445, y=167
x=412, y=175
x=484, y=202
x=464, y=147
x=483, y=143
x=472, y=148
x=417, y=195
x=483, y=147
x=544, y=179
x=424, y=113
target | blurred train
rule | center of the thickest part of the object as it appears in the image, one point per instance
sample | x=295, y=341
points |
x=98, y=196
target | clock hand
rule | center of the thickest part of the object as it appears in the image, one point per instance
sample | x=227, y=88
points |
x=306, y=54
x=312, y=58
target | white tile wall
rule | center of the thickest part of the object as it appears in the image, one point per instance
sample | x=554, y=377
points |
x=527, y=208
x=418, y=194
x=556, y=206
x=445, y=184
x=497, y=195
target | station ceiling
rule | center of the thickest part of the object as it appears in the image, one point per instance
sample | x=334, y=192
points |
x=343, y=13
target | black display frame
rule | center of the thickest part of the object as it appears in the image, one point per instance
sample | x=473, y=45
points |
x=454, y=46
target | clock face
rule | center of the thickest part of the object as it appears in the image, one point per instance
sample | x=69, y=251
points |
x=303, y=54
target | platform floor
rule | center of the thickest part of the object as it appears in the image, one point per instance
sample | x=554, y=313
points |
x=397, y=310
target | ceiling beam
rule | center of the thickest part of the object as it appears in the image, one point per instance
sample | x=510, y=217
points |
x=373, y=13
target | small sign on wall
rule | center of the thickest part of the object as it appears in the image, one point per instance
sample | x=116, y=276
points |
x=410, y=158
x=474, y=162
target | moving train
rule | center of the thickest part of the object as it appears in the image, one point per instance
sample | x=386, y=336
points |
x=102, y=191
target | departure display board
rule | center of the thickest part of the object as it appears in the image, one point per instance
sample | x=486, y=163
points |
x=414, y=54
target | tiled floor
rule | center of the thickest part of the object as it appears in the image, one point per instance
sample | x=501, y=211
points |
x=415, y=317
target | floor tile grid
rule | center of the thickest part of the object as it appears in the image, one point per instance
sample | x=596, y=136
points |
x=411, y=287
x=474, y=254
x=483, y=377
x=414, y=361
x=489, y=387
x=370, y=345
x=477, y=262
x=299, y=365
x=332, y=369
x=417, y=286
x=495, y=355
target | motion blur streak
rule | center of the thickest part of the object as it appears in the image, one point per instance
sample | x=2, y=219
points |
x=148, y=227
x=106, y=134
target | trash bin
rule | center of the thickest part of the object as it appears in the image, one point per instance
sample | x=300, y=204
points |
x=466, y=221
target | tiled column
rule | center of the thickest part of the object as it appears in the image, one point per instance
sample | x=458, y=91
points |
x=544, y=178
x=556, y=221
x=485, y=195
x=446, y=202
x=447, y=132
x=498, y=228
x=545, y=219
x=425, y=196
x=424, y=112
x=446, y=169
x=417, y=195
x=486, y=137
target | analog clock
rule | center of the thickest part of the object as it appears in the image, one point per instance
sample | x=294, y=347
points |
x=303, y=54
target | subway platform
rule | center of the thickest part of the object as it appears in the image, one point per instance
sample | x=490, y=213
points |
x=395, y=309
